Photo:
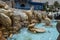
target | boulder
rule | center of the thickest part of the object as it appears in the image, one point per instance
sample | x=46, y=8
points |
x=22, y=14
x=47, y=21
x=3, y=5
x=8, y=12
x=16, y=19
x=32, y=28
x=31, y=25
x=34, y=21
x=37, y=30
x=29, y=13
x=16, y=23
x=11, y=35
x=26, y=23
x=5, y=34
x=5, y=20
x=1, y=36
x=38, y=14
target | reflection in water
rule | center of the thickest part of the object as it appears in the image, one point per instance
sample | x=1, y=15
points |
x=58, y=28
x=26, y=35
x=58, y=37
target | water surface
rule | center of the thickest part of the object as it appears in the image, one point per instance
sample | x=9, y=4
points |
x=50, y=34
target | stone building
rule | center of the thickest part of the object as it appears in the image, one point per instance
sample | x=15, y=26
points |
x=9, y=2
x=25, y=4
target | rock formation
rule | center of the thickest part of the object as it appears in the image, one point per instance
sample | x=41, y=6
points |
x=8, y=22
x=12, y=21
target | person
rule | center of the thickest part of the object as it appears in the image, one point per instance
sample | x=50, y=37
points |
x=1, y=36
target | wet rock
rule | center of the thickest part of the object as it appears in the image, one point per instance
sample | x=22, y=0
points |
x=21, y=13
x=5, y=34
x=2, y=28
x=32, y=15
x=26, y=23
x=16, y=19
x=16, y=23
x=31, y=25
x=37, y=30
x=29, y=13
x=3, y=5
x=47, y=22
x=1, y=36
x=10, y=35
x=32, y=28
x=4, y=31
x=8, y=12
x=34, y=21
x=37, y=16
x=5, y=20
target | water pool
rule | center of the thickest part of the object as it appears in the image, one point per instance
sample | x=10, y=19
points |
x=50, y=34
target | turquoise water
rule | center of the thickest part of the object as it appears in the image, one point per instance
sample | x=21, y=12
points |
x=50, y=34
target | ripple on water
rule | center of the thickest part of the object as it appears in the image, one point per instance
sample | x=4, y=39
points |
x=50, y=34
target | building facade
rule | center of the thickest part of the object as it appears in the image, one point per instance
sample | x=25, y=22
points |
x=25, y=4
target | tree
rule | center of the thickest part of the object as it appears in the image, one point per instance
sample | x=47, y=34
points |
x=45, y=6
x=51, y=8
x=56, y=4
